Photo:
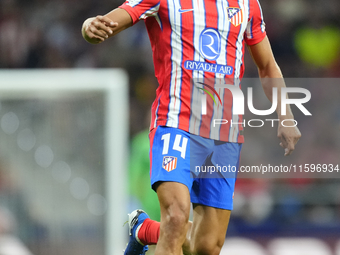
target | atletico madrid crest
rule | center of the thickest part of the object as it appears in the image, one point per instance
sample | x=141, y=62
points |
x=235, y=15
x=169, y=163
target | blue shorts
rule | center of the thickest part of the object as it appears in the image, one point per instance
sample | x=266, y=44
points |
x=207, y=167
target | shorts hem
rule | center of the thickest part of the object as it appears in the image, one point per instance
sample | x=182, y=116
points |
x=224, y=206
x=170, y=180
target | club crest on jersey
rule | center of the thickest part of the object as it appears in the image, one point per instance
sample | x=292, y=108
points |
x=235, y=16
x=169, y=163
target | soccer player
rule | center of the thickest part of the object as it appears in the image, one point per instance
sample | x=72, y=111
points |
x=196, y=46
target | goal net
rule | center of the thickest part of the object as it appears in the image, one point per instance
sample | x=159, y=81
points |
x=63, y=155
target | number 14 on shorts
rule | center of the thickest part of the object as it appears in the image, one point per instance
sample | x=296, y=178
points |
x=180, y=144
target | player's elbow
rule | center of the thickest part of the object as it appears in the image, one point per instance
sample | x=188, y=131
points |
x=270, y=69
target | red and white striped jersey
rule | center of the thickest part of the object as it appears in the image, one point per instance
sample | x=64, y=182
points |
x=197, y=42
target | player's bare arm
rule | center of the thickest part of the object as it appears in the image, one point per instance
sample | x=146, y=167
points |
x=97, y=29
x=268, y=69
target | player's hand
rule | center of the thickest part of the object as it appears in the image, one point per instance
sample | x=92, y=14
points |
x=289, y=136
x=98, y=29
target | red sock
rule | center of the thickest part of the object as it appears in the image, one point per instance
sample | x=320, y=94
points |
x=149, y=232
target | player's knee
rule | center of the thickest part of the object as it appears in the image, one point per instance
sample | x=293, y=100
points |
x=177, y=215
x=208, y=246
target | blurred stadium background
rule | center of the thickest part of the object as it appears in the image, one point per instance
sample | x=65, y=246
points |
x=53, y=181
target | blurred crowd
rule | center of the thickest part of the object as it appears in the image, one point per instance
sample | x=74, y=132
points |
x=305, y=37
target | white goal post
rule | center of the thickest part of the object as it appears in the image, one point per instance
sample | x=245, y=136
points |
x=114, y=84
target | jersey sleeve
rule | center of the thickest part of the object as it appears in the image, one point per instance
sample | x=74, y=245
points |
x=141, y=9
x=256, y=28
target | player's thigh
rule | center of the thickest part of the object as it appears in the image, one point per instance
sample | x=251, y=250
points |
x=209, y=228
x=174, y=200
